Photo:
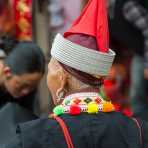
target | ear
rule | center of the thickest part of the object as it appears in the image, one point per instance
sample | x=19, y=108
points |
x=63, y=78
x=61, y=92
x=1, y=65
x=7, y=72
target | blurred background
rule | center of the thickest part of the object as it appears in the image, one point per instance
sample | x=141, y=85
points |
x=37, y=21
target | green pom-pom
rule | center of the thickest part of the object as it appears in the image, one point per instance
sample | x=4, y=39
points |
x=58, y=110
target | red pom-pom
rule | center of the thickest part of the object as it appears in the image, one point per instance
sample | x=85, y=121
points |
x=75, y=110
x=128, y=112
x=117, y=107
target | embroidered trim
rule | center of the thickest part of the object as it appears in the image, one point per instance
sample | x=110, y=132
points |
x=83, y=102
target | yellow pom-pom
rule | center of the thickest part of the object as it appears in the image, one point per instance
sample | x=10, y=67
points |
x=92, y=108
x=108, y=107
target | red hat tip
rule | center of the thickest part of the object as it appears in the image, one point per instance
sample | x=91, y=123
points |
x=92, y=22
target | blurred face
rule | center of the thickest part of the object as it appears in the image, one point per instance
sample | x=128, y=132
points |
x=22, y=85
x=54, y=78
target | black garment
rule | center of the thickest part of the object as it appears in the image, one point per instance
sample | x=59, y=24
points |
x=126, y=34
x=26, y=101
x=142, y=104
x=11, y=115
x=103, y=130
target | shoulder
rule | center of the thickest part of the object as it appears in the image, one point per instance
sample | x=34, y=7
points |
x=36, y=133
x=107, y=119
x=45, y=132
x=36, y=126
x=48, y=123
x=31, y=134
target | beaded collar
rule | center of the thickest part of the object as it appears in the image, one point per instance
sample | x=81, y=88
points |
x=83, y=102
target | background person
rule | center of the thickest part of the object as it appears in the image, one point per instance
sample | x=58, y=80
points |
x=128, y=29
x=20, y=74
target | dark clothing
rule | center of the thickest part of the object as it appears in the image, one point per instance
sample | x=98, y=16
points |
x=11, y=115
x=137, y=15
x=142, y=104
x=103, y=130
x=123, y=31
x=129, y=27
x=26, y=101
x=12, y=112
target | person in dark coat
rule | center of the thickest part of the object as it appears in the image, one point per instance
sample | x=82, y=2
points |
x=128, y=27
x=20, y=73
x=11, y=115
x=83, y=116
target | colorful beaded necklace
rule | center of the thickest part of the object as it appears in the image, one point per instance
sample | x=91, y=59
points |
x=83, y=102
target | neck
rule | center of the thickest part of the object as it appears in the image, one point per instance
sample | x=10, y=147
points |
x=2, y=81
x=88, y=89
x=82, y=90
x=2, y=78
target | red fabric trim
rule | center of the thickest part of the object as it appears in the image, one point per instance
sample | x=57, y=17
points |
x=140, y=130
x=64, y=129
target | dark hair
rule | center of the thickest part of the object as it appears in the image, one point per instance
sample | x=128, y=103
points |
x=7, y=43
x=26, y=57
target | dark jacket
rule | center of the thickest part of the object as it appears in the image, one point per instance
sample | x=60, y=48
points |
x=10, y=116
x=122, y=31
x=26, y=101
x=102, y=130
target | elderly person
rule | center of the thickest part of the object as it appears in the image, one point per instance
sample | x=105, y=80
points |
x=83, y=118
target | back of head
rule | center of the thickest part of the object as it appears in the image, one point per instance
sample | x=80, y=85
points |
x=26, y=57
x=83, y=50
x=88, y=42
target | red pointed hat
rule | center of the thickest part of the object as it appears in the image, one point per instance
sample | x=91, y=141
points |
x=85, y=46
